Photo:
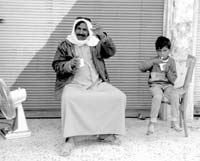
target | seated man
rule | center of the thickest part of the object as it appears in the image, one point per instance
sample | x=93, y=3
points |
x=90, y=105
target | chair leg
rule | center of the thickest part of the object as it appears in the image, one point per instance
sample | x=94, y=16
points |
x=180, y=119
x=184, y=123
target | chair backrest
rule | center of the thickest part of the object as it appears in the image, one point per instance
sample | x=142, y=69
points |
x=190, y=64
x=191, y=61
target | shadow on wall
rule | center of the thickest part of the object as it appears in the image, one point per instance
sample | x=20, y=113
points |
x=38, y=77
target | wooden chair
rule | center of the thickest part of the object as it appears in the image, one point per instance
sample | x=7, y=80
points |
x=183, y=92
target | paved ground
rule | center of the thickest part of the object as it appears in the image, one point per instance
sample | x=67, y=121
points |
x=164, y=145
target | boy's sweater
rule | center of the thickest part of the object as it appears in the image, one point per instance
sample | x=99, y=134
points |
x=156, y=76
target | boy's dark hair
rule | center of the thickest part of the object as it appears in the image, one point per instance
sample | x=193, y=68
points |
x=162, y=42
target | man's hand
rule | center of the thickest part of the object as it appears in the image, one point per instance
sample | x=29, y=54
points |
x=75, y=63
x=97, y=29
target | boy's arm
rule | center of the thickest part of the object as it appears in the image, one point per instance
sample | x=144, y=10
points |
x=172, y=73
x=146, y=65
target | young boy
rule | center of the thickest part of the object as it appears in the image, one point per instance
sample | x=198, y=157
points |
x=162, y=76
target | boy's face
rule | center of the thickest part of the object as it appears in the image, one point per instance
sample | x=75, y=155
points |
x=163, y=53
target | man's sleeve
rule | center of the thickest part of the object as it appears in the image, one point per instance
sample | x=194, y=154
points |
x=107, y=46
x=61, y=63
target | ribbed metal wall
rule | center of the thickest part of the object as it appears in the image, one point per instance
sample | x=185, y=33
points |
x=197, y=68
x=32, y=30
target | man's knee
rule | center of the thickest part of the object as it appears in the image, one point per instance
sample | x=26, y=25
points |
x=158, y=97
x=121, y=96
x=174, y=94
x=68, y=96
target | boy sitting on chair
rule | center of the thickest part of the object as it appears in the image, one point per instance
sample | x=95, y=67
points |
x=162, y=76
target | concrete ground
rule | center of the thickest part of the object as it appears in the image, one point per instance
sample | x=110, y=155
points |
x=164, y=145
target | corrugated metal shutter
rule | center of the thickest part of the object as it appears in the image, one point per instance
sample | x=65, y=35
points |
x=197, y=68
x=32, y=30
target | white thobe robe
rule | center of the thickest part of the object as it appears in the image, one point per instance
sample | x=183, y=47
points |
x=90, y=106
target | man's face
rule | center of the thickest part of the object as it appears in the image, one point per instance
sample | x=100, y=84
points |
x=164, y=52
x=82, y=31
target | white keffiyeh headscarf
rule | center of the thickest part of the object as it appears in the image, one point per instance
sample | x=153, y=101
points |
x=91, y=40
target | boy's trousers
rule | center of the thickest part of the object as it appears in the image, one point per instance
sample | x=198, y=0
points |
x=170, y=92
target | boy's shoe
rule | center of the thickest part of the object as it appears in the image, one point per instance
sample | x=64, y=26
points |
x=141, y=117
x=150, y=128
x=175, y=126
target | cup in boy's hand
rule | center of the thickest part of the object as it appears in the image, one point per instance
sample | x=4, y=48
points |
x=163, y=63
x=81, y=62
x=162, y=66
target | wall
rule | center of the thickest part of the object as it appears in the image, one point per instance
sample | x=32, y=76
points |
x=180, y=26
x=32, y=30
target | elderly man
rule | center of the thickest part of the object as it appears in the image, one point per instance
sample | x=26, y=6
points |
x=90, y=105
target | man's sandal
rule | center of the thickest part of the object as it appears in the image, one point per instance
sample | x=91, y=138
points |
x=66, y=148
x=111, y=139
